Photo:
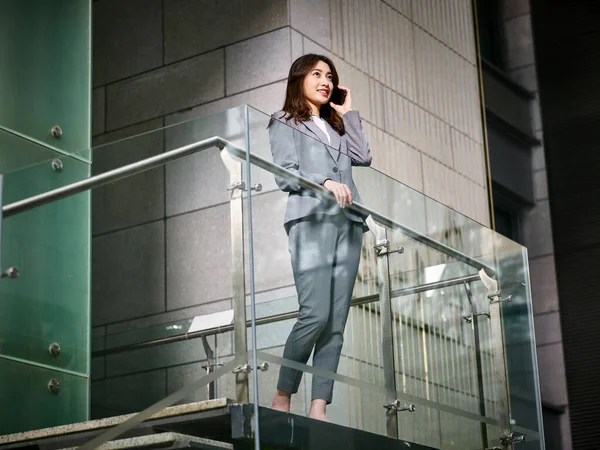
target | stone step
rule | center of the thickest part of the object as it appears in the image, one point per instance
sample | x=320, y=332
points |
x=163, y=441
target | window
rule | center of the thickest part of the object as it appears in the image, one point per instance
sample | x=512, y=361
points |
x=506, y=223
x=489, y=17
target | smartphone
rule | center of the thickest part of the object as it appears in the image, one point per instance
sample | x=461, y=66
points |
x=338, y=96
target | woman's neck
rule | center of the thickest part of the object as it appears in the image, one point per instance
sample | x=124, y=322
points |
x=314, y=110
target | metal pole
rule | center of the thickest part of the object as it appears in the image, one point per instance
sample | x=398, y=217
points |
x=238, y=276
x=361, y=209
x=276, y=318
x=216, y=141
x=110, y=176
x=387, y=341
x=252, y=287
x=476, y=339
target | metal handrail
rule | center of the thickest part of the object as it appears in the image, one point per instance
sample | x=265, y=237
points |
x=216, y=141
x=278, y=317
x=361, y=209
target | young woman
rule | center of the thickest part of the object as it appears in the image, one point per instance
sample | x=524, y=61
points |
x=325, y=238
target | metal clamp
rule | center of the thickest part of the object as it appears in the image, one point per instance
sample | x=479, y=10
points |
x=11, y=272
x=212, y=365
x=396, y=405
x=241, y=185
x=512, y=438
x=383, y=248
x=247, y=368
x=497, y=298
x=469, y=319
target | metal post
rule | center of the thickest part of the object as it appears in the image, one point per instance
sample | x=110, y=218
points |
x=476, y=339
x=387, y=340
x=236, y=188
x=500, y=382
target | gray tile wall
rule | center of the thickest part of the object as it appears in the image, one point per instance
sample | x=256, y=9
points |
x=536, y=226
x=161, y=239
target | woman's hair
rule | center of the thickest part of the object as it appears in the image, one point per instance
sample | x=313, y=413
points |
x=296, y=105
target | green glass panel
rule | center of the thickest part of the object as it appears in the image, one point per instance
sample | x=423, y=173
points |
x=28, y=403
x=45, y=60
x=49, y=301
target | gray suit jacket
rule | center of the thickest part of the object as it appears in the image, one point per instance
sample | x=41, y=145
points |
x=299, y=148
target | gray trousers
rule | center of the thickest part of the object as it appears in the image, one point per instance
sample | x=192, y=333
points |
x=325, y=252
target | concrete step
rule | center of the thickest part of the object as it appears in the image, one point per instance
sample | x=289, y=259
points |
x=163, y=441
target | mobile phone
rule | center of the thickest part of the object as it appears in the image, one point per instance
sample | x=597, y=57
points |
x=338, y=96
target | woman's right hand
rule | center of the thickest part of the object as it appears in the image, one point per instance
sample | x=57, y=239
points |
x=341, y=192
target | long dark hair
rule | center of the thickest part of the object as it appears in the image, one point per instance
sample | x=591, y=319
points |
x=295, y=104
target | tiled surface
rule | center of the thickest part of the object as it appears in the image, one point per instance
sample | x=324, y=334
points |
x=543, y=284
x=98, y=110
x=257, y=61
x=551, y=360
x=127, y=38
x=172, y=88
x=128, y=394
x=537, y=231
x=193, y=27
x=134, y=200
x=128, y=278
x=199, y=257
x=547, y=328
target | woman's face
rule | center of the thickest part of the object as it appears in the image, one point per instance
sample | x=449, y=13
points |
x=318, y=85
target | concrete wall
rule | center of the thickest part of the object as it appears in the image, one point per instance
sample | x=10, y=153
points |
x=161, y=239
x=536, y=225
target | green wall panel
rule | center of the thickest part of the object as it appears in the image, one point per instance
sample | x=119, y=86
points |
x=45, y=80
x=27, y=402
x=50, y=301
x=45, y=76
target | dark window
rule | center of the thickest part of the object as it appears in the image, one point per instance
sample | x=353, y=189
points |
x=491, y=38
x=506, y=223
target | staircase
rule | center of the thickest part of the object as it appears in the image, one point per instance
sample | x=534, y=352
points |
x=209, y=425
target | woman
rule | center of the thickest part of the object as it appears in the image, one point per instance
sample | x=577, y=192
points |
x=325, y=238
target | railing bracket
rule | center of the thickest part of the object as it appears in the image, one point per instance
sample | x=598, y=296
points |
x=396, y=405
x=11, y=272
x=247, y=368
x=470, y=317
x=241, y=185
x=383, y=248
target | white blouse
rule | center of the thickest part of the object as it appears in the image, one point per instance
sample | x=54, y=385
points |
x=321, y=124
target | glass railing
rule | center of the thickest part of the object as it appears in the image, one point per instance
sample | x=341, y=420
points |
x=186, y=254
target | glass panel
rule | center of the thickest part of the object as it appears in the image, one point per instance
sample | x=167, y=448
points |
x=154, y=272
x=27, y=400
x=49, y=301
x=45, y=68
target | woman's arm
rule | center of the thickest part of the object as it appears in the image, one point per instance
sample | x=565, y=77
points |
x=284, y=154
x=359, y=149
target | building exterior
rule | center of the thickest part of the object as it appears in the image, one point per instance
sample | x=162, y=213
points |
x=163, y=70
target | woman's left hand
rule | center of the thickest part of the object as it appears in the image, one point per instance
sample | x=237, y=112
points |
x=347, y=106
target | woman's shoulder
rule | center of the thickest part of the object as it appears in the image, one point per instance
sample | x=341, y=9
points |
x=280, y=115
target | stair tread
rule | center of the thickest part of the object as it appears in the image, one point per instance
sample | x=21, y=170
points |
x=161, y=440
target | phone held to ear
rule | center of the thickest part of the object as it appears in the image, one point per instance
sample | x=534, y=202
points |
x=338, y=96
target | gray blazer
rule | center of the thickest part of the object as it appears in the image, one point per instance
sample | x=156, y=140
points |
x=304, y=153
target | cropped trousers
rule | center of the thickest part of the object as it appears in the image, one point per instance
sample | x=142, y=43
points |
x=325, y=253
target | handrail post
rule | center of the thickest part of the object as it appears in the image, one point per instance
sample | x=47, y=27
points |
x=387, y=329
x=240, y=340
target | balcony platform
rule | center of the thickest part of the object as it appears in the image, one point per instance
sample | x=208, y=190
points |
x=221, y=421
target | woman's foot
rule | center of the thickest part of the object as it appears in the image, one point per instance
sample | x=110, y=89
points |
x=317, y=410
x=282, y=401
